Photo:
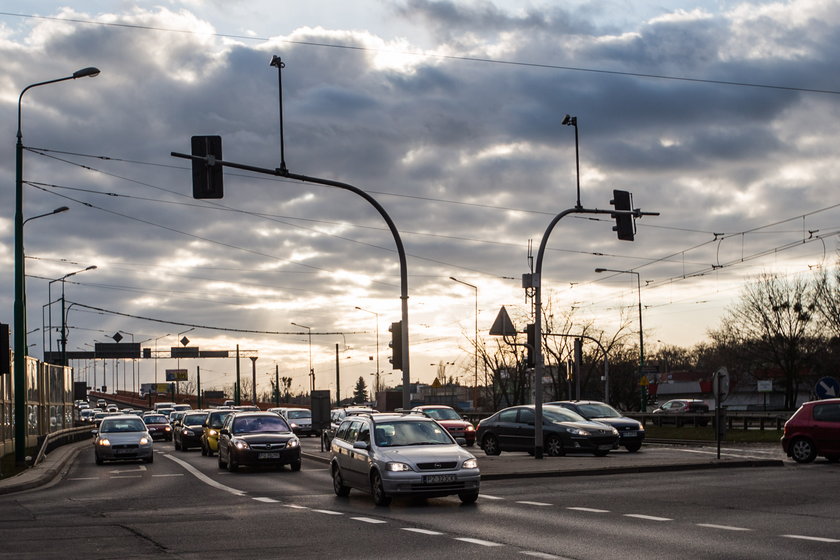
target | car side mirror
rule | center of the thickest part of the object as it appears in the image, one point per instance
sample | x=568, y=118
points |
x=224, y=432
x=361, y=445
x=94, y=432
x=461, y=441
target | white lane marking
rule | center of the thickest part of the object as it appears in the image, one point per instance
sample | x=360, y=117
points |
x=328, y=511
x=477, y=541
x=368, y=520
x=724, y=527
x=267, y=500
x=140, y=468
x=527, y=503
x=735, y=455
x=204, y=478
x=165, y=475
x=421, y=531
x=128, y=476
x=293, y=506
x=807, y=538
x=85, y=478
x=590, y=510
x=648, y=517
x=543, y=555
x=489, y=497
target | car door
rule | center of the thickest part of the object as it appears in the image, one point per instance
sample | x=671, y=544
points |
x=826, y=430
x=505, y=429
x=355, y=460
x=524, y=438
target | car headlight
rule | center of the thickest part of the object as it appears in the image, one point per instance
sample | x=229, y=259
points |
x=145, y=441
x=614, y=432
x=398, y=467
x=103, y=442
x=470, y=464
x=213, y=433
x=294, y=425
x=240, y=444
x=168, y=429
x=469, y=429
x=577, y=432
x=294, y=442
x=641, y=428
x=188, y=433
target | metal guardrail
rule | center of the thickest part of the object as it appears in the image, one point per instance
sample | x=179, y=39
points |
x=62, y=437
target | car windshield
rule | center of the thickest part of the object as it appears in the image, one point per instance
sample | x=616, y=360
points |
x=259, y=424
x=557, y=414
x=442, y=413
x=216, y=419
x=400, y=433
x=156, y=419
x=192, y=419
x=598, y=410
x=298, y=414
x=122, y=425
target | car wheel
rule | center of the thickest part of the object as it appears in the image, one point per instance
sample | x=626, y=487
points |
x=803, y=450
x=554, y=447
x=149, y=459
x=177, y=446
x=338, y=484
x=203, y=450
x=468, y=497
x=633, y=447
x=490, y=445
x=380, y=498
x=231, y=464
x=295, y=466
x=222, y=464
x=99, y=461
x=600, y=453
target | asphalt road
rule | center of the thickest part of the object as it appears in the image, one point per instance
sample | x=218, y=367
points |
x=183, y=506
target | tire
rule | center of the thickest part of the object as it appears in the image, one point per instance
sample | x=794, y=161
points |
x=149, y=459
x=203, y=450
x=222, y=464
x=468, y=497
x=600, y=453
x=554, y=446
x=295, y=466
x=490, y=445
x=178, y=446
x=633, y=447
x=99, y=461
x=803, y=450
x=338, y=484
x=380, y=498
x=231, y=464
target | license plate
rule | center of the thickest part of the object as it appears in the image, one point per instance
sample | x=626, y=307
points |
x=630, y=433
x=268, y=455
x=123, y=451
x=438, y=478
x=604, y=447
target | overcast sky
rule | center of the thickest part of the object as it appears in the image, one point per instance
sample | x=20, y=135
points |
x=720, y=115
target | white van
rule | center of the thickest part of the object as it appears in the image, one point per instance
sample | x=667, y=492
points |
x=159, y=405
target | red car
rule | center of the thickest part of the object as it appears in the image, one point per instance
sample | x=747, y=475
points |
x=449, y=419
x=813, y=430
x=158, y=426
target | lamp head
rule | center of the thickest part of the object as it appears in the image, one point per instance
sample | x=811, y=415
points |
x=600, y=270
x=89, y=71
x=276, y=62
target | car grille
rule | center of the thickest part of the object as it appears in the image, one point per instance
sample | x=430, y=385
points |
x=436, y=466
x=125, y=446
x=440, y=486
x=603, y=440
x=267, y=446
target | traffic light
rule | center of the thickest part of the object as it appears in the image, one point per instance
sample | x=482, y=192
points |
x=531, y=340
x=207, y=174
x=625, y=224
x=396, y=345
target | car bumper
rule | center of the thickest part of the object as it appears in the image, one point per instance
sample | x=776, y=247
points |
x=249, y=457
x=630, y=437
x=123, y=452
x=590, y=445
x=190, y=441
x=161, y=436
x=304, y=431
x=423, y=484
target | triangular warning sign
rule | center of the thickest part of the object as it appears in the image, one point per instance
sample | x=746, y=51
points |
x=502, y=326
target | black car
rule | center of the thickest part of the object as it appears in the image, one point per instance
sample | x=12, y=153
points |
x=631, y=433
x=257, y=439
x=564, y=431
x=189, y=430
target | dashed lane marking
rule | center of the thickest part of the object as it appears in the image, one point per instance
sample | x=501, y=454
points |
x=724, y=527
x=589, y=510
x=203, y=477
x=647, y=517
x=477, y=541
x=165, y=475
x=267, y=500
x=328, y=511
x=542, y=555
x=529, y=503
x=489, y=497
x=422, y=531
x=807, y=538
x=368, y=520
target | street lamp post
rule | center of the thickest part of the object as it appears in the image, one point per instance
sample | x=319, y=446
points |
x=376, y=387
x=641, y=330
x=475, y=343
x=64, y=312
x=20, y=277
x=156, y=356
x=311, y=371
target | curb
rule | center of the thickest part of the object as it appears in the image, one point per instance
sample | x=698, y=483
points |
x=45, y=472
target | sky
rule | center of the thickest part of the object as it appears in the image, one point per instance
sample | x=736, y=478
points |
x=719, y=115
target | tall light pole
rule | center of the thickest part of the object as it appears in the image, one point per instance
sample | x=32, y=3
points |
x=20, y=277
x=156, y=356
x=64, y=314
x=641, y=330
x=475, y=343
x=311, y=371
x=376, y=387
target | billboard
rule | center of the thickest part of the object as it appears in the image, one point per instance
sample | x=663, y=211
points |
x=176, y=375
x=155, y=389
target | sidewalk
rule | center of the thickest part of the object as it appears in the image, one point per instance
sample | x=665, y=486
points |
x=53, y=465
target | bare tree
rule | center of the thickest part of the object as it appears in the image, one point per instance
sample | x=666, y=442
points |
x=828, y=298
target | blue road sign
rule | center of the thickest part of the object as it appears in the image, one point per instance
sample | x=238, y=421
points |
x=827, y=388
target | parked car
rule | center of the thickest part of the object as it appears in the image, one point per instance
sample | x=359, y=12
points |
x=389, y=455
x=189, y=430
x=210, y=430
x=631, y=433
x=683, y=406
x=814, y=429
x=258, y=439
x=564, y=431
x=300, y=419
x=158, y=426
x=449, y=419
x=337, y=416
x=122, y=437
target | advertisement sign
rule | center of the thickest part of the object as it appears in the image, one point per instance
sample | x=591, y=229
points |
x=176, y=375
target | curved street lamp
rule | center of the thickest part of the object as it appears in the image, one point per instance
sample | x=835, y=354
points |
x=20, y=276
x=641, y=331
x=311, y=370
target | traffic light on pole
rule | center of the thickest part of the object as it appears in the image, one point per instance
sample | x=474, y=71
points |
x=625, y=224
x=207, y=173
x=531, y=341
x=396, y=345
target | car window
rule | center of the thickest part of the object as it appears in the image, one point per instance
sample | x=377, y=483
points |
x=192, y=419
x=507, y=415
x=342, y=431
x=402, y=433
x=597, y=410
x=259, y=424
x=217, y=419
x=827, y=412
x=127, y=425
x=353, y=431
x=364, y=434
x=157, y=419
x=526, y=416
x=442, y=413
x=299, y=414
x=556, y=414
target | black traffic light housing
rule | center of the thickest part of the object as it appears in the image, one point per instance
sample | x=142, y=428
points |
x=625, y=224
x=396, y=345
x=207, y=173
x=531, y=341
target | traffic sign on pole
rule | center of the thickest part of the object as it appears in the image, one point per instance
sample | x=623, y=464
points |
x=827, y=388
